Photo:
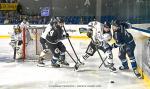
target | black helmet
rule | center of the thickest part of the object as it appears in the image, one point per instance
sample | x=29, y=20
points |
x=60, y=20
x=55, y=20
x=107, y=25
x=116, y=23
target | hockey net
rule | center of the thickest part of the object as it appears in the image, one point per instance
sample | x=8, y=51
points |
x=31, y=43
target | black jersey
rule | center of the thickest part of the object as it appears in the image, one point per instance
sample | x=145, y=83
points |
x=122, y=36
x=54, y=35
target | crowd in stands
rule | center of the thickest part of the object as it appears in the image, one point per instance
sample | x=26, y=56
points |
x=14, y=18
x=8, y=1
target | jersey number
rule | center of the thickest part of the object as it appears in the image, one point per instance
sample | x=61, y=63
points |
x=90, y=50
x=51, y=33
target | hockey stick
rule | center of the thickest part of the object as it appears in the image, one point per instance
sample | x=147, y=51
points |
x=72, y=47
x=14, y=53
x=15, y=50
x=71, y=57
x=103, y=62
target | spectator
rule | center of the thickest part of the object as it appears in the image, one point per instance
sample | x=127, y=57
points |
x=6, y=21
x=3, y=1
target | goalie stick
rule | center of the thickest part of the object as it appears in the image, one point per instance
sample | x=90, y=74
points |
x=15, y=50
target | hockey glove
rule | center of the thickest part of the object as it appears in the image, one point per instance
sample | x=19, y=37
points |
x=67, y=35
x=114, y=45
x=99, y=43
x=89, y=34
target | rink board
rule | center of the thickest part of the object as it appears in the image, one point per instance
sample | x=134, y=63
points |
x=142, y=51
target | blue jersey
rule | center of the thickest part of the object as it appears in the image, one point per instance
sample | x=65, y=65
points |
x=55, y=35
x=122, y=36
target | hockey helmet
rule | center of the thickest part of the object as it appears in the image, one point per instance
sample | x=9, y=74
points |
x=107, y=25
x=116, y=23
x=17, y=28
x=55, y=20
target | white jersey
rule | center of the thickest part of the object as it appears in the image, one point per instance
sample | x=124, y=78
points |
x=44, y=34
x=24, y=25
x=97, y=30
x=98, y=34
x=16, y=37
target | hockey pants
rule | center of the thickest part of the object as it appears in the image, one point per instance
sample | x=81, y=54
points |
x=129, y=50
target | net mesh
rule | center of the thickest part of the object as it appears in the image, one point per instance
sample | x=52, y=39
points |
x=32, y=44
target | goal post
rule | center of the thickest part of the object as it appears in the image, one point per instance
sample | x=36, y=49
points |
x=31, y=47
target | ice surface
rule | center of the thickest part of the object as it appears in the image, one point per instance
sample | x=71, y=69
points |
x=27, y=75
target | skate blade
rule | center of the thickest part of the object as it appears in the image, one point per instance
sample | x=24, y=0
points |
x=40, y=65
x=113, y=71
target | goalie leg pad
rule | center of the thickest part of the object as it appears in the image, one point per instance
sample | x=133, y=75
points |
x=19, y=52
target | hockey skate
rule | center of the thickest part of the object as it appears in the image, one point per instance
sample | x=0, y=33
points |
x=123, y=68
x=112, y=68
x=78, y=65
x=64, y=62
x=138, y=75
x=55, y=64
x=41, y=63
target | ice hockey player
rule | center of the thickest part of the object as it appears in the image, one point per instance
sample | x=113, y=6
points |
x=54, y=43
x=101, y=34
x=125, y=42
x=44, y=45
x=16, y=42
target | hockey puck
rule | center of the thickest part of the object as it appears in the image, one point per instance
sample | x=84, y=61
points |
x=112, y=82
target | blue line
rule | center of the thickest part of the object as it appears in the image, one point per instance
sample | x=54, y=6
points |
x=142, y=30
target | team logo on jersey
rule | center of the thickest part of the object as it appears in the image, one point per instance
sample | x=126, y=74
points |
x=57, y=50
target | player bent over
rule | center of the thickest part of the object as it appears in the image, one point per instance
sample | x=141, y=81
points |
x=100, y=34
x=53, y=39
x=125, y=42
x=44, y=45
